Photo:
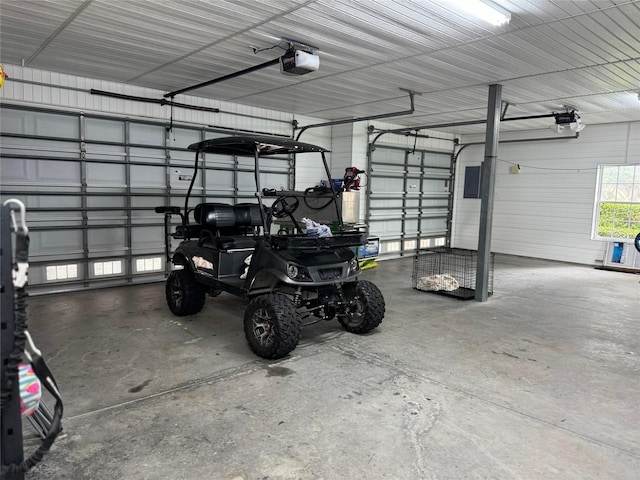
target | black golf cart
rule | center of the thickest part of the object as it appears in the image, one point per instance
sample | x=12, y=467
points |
x=292, y=278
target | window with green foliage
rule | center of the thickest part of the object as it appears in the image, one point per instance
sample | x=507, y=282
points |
x=617, y=215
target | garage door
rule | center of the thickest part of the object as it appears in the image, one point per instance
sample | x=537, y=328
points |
x=410, y=202
x=91, y=182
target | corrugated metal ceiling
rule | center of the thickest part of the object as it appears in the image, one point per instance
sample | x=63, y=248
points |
x=552, y=53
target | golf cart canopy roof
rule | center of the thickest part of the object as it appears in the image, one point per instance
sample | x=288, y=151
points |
x=247, y=145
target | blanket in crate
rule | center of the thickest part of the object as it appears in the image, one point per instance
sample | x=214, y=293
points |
x=434, y=283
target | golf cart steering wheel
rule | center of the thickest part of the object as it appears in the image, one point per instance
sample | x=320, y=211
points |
x=282, y=208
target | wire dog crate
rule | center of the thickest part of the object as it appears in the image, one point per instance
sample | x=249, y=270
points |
x=448, y=271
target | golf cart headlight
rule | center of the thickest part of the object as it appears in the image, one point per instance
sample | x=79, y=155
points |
x=292, y=271
x=353, y=265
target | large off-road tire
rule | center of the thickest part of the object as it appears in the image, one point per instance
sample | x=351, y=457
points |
x=184, y=295
x=272, y=326
x=366, y=309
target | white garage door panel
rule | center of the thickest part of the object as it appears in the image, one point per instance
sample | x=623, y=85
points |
x=147, y=176
x=147, y=155
x=56, y=242
x=385, y=155
x=59, y=201
x=102, y=240
x=58, y=172
x=182, y=159
x=143, y=209
x=105, y=174
x=146, y=134
x=40, y=123
x=57, y=126
x=180, y=179
x=219, y=181
x=104, y=130
x=34, y=148
x=436, y=225
x=385, y=207
x=434, y=186
x=217, y=161
x=112, y=202
x=112, y=153
x=19, y=171
x=411, y=226
x=182, y=138
x=247, y=183
x=388, y=228
x=266, y=163
x=146, y=240
x=106, y=210
x=55, y=218
x=388, y=184
x=105, y=218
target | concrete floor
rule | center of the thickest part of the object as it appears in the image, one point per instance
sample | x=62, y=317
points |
x=542, y=381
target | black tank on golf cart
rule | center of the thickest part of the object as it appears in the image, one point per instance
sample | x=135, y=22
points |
x=293, y=279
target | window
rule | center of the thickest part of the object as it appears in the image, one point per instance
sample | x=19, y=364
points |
x=617, y=215
x=61, y=272
x=107, y=268
x=153, y=264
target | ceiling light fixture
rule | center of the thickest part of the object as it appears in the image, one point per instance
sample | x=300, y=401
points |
x=484, y=10
x=567, y=119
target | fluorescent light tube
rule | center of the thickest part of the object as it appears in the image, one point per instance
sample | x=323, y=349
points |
x=484, y=10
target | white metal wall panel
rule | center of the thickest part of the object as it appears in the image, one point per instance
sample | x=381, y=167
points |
x=545, y=211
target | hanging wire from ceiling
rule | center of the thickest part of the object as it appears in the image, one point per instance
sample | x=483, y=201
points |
x=520, y=165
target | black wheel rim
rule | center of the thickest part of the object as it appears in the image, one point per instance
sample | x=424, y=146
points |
x=262, y=327
x=356, y=311
x=175, y=290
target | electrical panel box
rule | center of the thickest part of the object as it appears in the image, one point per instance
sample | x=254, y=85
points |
x=472, y=182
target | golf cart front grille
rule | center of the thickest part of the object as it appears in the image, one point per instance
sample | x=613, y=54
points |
x=330, y=273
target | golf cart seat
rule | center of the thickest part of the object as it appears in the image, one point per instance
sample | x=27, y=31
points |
x=228, y=227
